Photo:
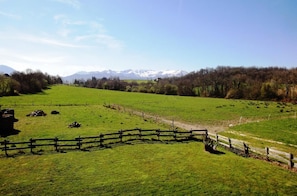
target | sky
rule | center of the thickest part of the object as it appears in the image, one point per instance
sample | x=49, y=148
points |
x=62, y=37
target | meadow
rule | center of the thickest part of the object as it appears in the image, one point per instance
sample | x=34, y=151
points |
x=208, y=112
x=141, y=169
x=188, y=109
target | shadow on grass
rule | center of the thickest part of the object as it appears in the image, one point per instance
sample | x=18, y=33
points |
x=8, y=133
x=216, y=152
x=99, y=146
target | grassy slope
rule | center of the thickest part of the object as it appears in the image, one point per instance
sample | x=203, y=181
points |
x=190, y=109
x=144, y=169
x=264, y=133
x=134, y=169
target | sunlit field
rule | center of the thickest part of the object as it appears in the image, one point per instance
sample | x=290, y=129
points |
x=142, y=168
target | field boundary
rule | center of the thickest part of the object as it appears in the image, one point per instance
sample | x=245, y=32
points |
x=86, y=143
x=239, y=147
x=39, y=145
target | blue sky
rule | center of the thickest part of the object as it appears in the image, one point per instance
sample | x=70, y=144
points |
x=61, y=37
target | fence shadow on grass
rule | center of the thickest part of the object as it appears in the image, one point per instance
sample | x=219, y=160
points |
x=217, y=152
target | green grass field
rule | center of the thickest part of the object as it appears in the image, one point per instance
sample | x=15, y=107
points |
x=189, y=109
x=140, y=169
x=144, y=169
x=277, y=133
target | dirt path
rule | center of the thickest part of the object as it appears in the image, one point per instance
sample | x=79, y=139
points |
x=182, y=125
x=212, y=129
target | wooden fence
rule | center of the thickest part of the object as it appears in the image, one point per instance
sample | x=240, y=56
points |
x=38, y=145
x=243, y=148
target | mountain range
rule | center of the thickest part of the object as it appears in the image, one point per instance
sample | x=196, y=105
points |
x=125, y=75
x=6, y=70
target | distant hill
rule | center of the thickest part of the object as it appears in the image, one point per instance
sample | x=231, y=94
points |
x=125, y=75
x=6, y=70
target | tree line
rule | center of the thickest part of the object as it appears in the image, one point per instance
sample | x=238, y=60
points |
x=254, y=83
x=28, y=82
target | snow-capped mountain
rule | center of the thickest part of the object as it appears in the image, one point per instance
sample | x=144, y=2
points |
x=5, y=69
x=124, y=75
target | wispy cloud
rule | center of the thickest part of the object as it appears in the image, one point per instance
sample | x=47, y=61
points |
x=73, y=3
x=88, y=31
x=28, y=57
x=103, y=39
x=9, y=15
x=66, y=21
x=52, y=42
x=39, y=40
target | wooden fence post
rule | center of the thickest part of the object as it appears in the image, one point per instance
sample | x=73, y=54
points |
x=174, y=135
x=191, y=134
x=158, y=133
x=56, y=144
x=267, y=153
x=101, y=139
x=204, y=138
x=121, y=135
x=217, y=138
x=246, y=149
x=230, y=144
x=79, y=143
x=291, y=163
x=31, y=145
x=5, y=147
x=139, y=130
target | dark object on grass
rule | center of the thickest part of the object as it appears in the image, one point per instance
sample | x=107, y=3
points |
x=74, y=125
x=37, y=113
x=7, y=120
x=209, y=145
x=55, y=112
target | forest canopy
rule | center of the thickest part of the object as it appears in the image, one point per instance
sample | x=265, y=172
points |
x=270, y=83
x=26, y=82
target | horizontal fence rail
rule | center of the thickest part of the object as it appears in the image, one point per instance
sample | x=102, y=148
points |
x=245, y=149
x=38, y=145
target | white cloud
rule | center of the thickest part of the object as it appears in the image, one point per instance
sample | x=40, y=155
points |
x=64, y=32
x=26, y=56
x=89, y=31
x=52, y=42
x=59, y=17
x=89, y=25
x=47, y=41
x=73, y=3
x=46, y=62
x=8, y=15
x=108, y=41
